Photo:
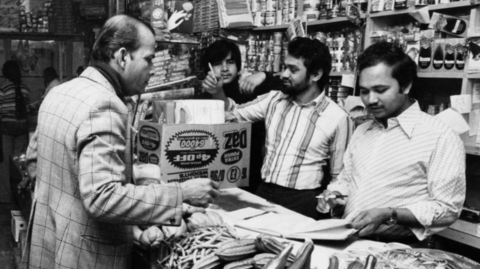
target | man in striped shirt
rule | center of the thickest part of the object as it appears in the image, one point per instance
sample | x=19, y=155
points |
x=404, y=170
x=304, y=129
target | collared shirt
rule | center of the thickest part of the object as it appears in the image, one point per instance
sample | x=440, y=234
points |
x=300, y=138
x=417, y=163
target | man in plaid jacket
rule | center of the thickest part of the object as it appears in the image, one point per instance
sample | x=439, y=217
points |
x=84, y=203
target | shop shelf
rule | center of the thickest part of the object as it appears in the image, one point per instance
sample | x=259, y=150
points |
x=473, y=75
x=273, y=27
x=38, y=36
x=327, y=21
x=168, y=84
x=444, y=74
x=437, y=7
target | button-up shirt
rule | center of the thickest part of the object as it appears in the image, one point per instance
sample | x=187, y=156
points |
x=417, y=163
x=300, y=138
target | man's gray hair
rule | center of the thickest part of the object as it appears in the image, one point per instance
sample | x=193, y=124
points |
x=120, y=31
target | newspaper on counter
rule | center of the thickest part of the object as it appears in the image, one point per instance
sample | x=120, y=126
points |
x=295, y=226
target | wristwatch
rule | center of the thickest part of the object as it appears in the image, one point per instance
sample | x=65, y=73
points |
x=393, y=217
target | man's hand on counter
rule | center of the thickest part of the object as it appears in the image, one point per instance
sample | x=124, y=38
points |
x=199, y=191
x=368, y=221
x=329, y=201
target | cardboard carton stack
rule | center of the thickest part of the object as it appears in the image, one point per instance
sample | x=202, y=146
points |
x=205, y=16
x=185, y=151
x=63, y=11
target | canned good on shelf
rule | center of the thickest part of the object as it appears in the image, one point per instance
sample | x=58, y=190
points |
x=278, y=17
x=259, y=19
x=269, y=18
x=277, y=49
x=311, y=5
x=272, y=5
x=311, y=15
x=277, y=38
x=277, y=62
x=263, y=5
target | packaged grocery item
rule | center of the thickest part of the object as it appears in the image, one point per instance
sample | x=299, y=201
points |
x=452, y=25
x=449, y=62
x=460, y=54
x=413, y=50
x=474, y=55
x=425, y=56
x=377, y=5
x=438, y=54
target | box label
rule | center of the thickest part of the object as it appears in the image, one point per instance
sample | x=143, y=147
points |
x=191, y=149
x=185, y=151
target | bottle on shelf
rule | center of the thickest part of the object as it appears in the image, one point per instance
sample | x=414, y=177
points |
x=438, y=54
x=425, y=55
x=449, y=62
x=459, y=55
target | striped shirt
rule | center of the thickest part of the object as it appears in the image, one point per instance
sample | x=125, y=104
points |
x=300, y=138
x=417, y=163
x=7, y=99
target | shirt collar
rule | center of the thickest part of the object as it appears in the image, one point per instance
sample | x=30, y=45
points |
x=407, y=120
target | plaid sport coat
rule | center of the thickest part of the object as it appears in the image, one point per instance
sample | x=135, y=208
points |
x=84, y=202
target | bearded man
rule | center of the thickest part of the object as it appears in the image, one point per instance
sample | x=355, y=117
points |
x=305, y=129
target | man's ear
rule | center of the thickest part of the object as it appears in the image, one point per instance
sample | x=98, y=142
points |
x=317, y=76
x=120, y=57
x=406, y=90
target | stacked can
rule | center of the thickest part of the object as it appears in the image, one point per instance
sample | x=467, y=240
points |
x=252, y=52
x=277, y=51
x=264, y=53
x=262, y=49
x=343, y=47
x=272, y=12
x=311, y=10
x=336, y=91
x=38, y=21
x=288, y=10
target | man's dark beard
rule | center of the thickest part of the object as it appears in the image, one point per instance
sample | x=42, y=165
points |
x=295, y=90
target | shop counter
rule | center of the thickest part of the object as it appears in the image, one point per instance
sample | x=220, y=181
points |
x=235, y=198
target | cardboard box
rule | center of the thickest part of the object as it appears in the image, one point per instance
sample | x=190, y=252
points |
x=185, y=151
x=18, y=224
